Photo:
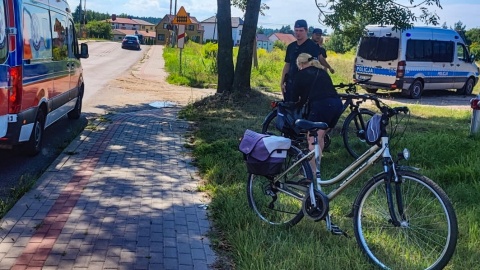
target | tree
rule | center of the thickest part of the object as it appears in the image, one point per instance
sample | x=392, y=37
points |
x=473, y=37
x=225, y=44
x=386, y=12
x=286, y=30
x=229, y=79
x=461, y=29
x=99, y=29
x=243, y=68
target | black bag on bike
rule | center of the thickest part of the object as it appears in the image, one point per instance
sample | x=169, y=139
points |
x=373, y=132
x=287, y=114
x=264, y=154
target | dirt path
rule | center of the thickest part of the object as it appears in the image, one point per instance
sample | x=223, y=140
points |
x=143, y=84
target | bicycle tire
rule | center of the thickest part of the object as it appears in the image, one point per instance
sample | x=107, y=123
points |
x=268, y=127
x=285, y=210
x=427, y=236
x=353, y=132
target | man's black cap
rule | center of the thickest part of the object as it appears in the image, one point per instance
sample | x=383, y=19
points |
x=301, y=24
x=317, y=31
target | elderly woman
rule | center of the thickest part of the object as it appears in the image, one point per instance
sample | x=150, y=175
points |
x=313, y=83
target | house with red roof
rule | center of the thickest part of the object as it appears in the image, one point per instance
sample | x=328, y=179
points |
x=285, y=38
x=126, y=26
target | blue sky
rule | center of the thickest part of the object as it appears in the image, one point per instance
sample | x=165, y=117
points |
x=281, y=12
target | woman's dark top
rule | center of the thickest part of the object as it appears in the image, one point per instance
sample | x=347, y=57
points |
x=303, y=89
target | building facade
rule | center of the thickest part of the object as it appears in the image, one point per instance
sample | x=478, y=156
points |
x=166, y=31
x=126, y=26
x=264, y=43
x=211, y=29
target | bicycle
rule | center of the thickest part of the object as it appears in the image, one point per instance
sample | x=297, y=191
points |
x=401, y=218
x=353, y=128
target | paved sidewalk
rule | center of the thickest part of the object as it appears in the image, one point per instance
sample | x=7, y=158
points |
x=122, y=196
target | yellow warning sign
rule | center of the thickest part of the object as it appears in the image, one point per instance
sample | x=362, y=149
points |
x=182, y=17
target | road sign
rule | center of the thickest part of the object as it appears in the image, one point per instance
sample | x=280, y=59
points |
x=182, y=17
x=181, y=36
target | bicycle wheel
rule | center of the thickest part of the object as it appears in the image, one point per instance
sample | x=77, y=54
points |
x=279, y=202
x=427, y=235
x=268, y=125
x=353, y=132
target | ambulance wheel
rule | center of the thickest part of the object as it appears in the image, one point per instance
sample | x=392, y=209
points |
x=416, y=89
x=35, y=143
x=77, y=111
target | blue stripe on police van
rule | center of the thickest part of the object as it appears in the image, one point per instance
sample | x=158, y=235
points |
x=375, y=70
x=409, y=73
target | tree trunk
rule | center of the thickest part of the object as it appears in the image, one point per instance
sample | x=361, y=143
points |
x=225, y=47
x=243, y=68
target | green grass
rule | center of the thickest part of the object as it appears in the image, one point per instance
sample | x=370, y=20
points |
x=438, y=139
x=439, y=142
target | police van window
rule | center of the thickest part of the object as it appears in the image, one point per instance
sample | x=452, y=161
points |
x=3, y=34
x=442, y=51
x=59, y=37
x=379, y=48
x=419, y=50
x=462, y=53
x=429, y=51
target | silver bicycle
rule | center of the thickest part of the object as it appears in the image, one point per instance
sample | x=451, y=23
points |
x=402, y=219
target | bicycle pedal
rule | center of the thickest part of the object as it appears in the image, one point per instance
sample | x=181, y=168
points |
x=337, y=231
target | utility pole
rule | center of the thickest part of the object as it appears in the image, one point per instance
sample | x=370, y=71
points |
x=80, y=19
x=84, y=18
x=214, y=28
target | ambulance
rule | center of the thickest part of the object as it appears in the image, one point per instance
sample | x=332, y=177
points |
x=41, y=76
x=414, y=60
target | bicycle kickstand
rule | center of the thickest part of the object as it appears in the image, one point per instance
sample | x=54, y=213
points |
x=334, y=229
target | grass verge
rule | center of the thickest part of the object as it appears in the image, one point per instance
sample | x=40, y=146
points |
x=437, y=137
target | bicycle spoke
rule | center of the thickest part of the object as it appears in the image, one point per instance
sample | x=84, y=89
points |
x=279, y=202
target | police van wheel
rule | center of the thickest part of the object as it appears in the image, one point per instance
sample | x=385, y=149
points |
x=416, y=89
x=467, y=89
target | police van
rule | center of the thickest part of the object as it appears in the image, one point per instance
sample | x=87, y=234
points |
x=41, y=76
x=413, y=60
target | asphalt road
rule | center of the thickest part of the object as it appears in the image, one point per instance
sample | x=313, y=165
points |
x=107, y=62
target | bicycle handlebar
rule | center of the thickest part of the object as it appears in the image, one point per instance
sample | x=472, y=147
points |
x=351, y=89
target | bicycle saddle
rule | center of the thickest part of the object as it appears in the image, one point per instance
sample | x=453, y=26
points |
x=310, y=126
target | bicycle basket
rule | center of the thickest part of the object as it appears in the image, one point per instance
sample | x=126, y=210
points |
x=373, y=133
x=264, y=154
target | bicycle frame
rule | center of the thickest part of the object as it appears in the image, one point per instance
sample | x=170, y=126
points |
x=362, y=163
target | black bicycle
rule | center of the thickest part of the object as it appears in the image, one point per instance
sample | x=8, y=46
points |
x=353, y=128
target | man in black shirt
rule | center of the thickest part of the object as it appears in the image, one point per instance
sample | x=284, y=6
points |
x=302, y=45
x=322, y=58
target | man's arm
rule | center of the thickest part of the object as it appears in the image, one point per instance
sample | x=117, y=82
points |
x=286, y=67
x=324, y=63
